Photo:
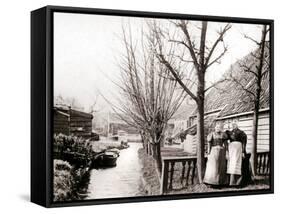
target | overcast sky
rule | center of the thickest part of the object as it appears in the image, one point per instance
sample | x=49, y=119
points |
x=86, y=50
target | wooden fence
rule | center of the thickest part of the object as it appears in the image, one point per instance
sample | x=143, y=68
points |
x=263, y=159
x=186, y=169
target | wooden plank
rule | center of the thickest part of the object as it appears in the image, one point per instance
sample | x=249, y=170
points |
x=259, y=148
x=58, y=128
x=80, y=120
x=171, y=176
x=61, y=124
x=260, y=131
x=260, y=137
x=188, y=172
x=250, y=117
x=164, y=177
x=260, y=141
x=80, y=124
x=261, y=127
x=74, y=118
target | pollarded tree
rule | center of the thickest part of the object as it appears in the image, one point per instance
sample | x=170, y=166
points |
x=149, y=97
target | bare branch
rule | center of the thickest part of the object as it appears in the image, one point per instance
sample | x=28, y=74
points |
x=215, y=84
x=252, y=39
x=190, y=45
x=218, y=40
x=174, y=73
x=217, y=59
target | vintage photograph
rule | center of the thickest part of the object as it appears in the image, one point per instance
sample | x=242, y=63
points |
x=154, y=107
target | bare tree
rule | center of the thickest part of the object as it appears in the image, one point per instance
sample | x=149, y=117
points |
x=149, y=97
x=256, y=70
x=201, y=54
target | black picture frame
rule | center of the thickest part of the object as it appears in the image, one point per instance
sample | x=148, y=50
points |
x=42, y=102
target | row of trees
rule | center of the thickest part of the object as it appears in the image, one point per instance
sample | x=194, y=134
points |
x=166, y=66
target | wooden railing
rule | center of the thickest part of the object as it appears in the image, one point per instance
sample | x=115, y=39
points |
x=185, y=167
x=263, y=163
x=187, y=172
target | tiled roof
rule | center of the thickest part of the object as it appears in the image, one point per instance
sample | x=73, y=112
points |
x=228, y=99
x=74, y=112
x=184, y=112
x=231, y=98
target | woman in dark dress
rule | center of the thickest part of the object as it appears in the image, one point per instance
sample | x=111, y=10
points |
x=215, y=173
x=237, y=156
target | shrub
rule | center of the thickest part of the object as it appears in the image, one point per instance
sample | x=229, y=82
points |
x=63, y=181
x=72, y=148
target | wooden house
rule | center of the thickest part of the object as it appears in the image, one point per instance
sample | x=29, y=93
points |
x=61, y=123
x=70, y=121
x=115, y=124
x=227, y=102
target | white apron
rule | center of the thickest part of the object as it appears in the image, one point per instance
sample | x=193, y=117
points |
x=234, y=163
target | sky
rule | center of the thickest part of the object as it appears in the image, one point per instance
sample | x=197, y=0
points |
x=87, y=49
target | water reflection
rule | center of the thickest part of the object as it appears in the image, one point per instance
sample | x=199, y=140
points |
x=120, y=181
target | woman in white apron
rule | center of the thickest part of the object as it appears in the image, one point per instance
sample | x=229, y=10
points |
x=237, y=152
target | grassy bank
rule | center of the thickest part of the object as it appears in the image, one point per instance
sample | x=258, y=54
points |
x=150, y=176
x=69, y=182
x=72, y=161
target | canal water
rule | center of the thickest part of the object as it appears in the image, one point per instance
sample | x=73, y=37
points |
x=120, y=181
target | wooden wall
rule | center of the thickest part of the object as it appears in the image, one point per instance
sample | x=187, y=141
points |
x=61, y=123
x=80, y=125
x=72, y=122
x=245, y=124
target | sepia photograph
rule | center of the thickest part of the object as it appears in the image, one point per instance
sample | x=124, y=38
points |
x=147, y=107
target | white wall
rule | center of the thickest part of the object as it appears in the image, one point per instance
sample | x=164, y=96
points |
x=245, y=123
x=15, y=108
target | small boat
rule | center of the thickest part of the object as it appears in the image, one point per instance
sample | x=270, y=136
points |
x=124, y=145
x=176, y=142
x=107, y=159
x=115, y=150
x=114, y=138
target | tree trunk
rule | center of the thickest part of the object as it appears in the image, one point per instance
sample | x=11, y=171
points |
x=158, y=158
x=157, y=151
x=145, y=143
x=257, y=102
x=200, y=105
x=254, y=141
x=200, y=141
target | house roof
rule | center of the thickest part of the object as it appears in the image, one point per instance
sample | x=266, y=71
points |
x=228, y=99
x=66, y=110
x=184, y=111
x=231, y=99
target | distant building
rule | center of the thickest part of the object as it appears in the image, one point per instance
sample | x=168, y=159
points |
x=70, y=121
x=115, y=124
x=181, y=120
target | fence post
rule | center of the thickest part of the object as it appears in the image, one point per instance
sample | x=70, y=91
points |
x=164, y=177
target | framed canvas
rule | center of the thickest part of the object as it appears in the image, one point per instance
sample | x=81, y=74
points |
x=131, y=106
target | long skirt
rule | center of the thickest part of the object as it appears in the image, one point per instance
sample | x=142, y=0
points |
x=215, y=173
x=246, y=174
x=234, y=164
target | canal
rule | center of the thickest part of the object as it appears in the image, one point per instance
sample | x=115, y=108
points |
x=120, y=181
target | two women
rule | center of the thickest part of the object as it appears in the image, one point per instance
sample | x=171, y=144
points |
x=223, y=169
